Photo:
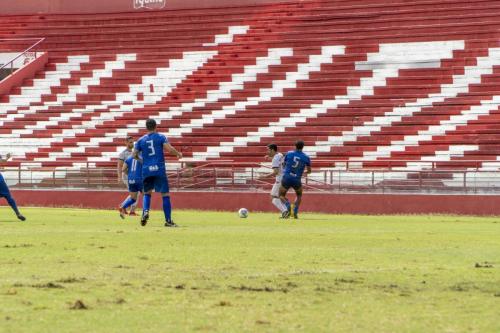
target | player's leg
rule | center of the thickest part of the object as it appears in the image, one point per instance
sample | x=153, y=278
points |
x=275, y=198
x=5, y=192
x=283, y=191
x=298, y=200
x=131, y=199
x=163, y=188
x=148, y=184
x=133, y=207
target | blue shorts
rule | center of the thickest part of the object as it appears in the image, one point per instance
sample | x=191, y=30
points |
x=292, y=182
x=134, y=188
x=158, y=183
x=4, y=189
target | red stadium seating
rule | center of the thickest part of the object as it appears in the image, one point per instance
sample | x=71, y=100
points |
x=381, y=84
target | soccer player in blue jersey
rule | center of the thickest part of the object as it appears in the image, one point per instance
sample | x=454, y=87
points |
x=294, y=165
x=132, y=171
x=154, y=174
x=5, y=193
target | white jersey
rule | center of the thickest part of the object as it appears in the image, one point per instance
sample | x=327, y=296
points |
x=278, y=163
x=125, y=154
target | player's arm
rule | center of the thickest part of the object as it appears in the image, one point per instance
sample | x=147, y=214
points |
x=6, y=158
x=136, y=156
x=124, y=170
x=119, y=168
x=168, y=147
x=308, y=166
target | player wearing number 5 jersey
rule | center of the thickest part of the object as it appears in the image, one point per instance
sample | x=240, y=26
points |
x=154, y=174
x=294, y=165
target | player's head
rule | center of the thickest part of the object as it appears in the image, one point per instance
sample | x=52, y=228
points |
x=272, y=149
x=299, y=145
x=129, y=142
x=151, y=125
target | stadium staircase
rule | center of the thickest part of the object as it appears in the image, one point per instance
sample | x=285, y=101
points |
x=366, y=84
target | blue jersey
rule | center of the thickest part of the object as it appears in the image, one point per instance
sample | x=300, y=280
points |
x=153, y=159
x=134, y=170
x=295, y=163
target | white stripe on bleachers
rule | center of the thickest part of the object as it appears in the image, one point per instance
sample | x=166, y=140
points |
x=460, y=84
x=237, y=82
x=444, y=127
x=415, y=53
x=165, y=80
x=228, y=38
x=43, y=86
x=70, y=96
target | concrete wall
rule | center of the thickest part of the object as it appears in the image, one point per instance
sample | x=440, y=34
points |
x=27, y=72
x=312, y=202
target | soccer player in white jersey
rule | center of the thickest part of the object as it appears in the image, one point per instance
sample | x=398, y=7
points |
x=126, y=153
x=277, y=165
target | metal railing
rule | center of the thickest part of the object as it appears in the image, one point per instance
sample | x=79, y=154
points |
x=11, y=62
x=232, y=176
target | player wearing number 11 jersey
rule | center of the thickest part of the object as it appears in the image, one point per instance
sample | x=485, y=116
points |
x=132, y=172
x=154, y=174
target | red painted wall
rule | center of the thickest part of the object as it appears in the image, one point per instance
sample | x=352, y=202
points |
x=312, y=202
x=27, y=72
x=110, y=6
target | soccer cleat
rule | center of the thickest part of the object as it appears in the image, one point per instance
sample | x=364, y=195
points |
x=170, y=224
x=20, y=217
x=145, y=217
x=132, y=213
x=122, y=212
x=285, y=214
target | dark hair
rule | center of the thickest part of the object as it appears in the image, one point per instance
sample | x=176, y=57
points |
x=299, y=144
x=129, y=138
x=151, y=124
x=272, y=146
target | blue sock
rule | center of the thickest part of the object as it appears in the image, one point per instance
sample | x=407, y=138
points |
x=296, y=209
x=287, y=204
x=12, y=203
x=146, y=204
x=128, y=202
x=167, y=208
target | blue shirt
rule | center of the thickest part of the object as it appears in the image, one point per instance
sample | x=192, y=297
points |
x=134, y=170
x=153, y=159
x=295, y=163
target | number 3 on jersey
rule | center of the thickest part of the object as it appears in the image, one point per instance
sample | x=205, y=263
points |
x=151, y=147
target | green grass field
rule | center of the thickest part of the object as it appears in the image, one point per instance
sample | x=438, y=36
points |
x=70, y=270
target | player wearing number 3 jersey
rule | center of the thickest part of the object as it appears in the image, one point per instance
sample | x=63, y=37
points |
x=154, y=175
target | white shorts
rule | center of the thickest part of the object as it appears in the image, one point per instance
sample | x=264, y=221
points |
x=275, y=192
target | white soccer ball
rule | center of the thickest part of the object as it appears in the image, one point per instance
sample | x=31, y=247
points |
x=243, y=213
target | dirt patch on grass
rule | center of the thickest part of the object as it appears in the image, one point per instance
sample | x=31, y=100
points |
x=48, y=285
x=260, y=289
x=224, y=303
x=483, y=265
x=78, y=305
x=16, y=246
x=72, y=280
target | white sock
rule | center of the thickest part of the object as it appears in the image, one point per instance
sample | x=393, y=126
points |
x=277, y=202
